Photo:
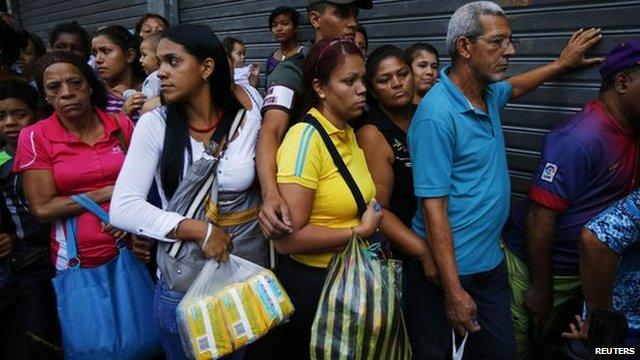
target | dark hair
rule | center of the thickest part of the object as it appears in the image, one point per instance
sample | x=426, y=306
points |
x=293, y=15
x=363, y=31
x=71, y=28
x=11, y=42
x=38, y=44
x=201, y=42
x=19, y=89
x=228, y=44
x=320, y=6
x=120, y=36
x=99, y=93
x=323, y=58
x=410, y=52
x=11, y=20
x=148, y=16
x=343, y=9
x=609, y=82
x=376, y=57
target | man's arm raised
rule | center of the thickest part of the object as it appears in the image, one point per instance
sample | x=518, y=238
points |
x=572, y=57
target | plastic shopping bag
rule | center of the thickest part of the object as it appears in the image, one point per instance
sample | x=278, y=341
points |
x=458, y=353
x=228, y=306
x=359, y=314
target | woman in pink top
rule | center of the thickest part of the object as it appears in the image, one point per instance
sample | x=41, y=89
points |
x=78, y=149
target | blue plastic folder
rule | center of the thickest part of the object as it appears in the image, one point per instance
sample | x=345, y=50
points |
x=105, y=312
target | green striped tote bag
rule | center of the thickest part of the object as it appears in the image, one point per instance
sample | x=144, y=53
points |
x=359, y=315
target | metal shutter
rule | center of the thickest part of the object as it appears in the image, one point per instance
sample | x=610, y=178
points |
x=542, y=28
x=40, y=16
x=243, y=19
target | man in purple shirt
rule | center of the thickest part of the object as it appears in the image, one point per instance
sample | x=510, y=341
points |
x=586, y=164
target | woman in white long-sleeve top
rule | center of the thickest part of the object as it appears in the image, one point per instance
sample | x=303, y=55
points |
x=168, y=143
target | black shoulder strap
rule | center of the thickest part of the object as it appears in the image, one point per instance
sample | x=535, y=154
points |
x=337, y=160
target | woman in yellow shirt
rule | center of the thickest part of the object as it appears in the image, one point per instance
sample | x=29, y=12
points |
x=323, y=210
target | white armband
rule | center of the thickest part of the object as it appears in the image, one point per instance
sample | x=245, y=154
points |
x=279, y=96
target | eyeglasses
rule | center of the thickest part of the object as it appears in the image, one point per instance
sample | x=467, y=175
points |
x=499, y=41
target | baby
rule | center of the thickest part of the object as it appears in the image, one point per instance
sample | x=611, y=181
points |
x=150, y=64
x=149, y=95
x=243, y=73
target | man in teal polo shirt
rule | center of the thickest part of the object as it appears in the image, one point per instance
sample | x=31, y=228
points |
x=461, y=179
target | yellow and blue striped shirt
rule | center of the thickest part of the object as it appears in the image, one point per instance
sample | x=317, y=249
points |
x=303, y=159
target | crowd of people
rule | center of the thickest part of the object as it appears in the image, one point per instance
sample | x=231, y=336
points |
x=129, y=118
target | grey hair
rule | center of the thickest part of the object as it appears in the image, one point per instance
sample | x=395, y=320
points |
x=466, y=22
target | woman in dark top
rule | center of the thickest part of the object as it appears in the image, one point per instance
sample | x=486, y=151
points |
x=382, y=134
x=283, y=22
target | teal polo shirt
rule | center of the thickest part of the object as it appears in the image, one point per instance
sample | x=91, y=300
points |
x=457, y=150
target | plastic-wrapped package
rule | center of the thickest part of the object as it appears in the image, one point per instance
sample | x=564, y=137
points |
x=228, y=306
x=240, y=309
x=275, y=304
x=210, y=339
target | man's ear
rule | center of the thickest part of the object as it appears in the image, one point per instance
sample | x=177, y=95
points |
x=621, y=83
x=315, y=19
x=463, y=45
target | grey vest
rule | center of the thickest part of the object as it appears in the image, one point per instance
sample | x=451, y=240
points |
x=180, y=262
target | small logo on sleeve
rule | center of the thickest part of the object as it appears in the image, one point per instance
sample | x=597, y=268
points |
x=614, y=166
x=549, y=172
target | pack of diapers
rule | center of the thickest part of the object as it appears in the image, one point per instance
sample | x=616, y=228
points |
x=216, y=324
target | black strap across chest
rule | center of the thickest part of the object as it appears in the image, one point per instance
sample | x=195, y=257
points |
x=339, y=162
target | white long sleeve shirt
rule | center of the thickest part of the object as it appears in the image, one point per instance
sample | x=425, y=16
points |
x=130, y=210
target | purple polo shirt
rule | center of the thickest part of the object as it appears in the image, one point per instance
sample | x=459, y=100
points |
x=586, y=164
